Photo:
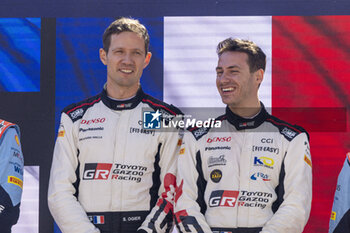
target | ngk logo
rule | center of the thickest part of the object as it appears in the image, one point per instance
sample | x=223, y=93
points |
x=97, y=171
x=219, y=139
x=223, y=198
x=93, y=121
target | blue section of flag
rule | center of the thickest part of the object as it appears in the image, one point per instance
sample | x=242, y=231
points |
x=79, y=71
x=20, y=54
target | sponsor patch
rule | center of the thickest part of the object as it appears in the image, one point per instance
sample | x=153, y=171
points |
x=223, y=198
x=97, y=171
x=217, y=148
x=266, y=148
x=216, y=161
x=77, y=113
x=260, y=176
x=179, y=142
x=307, y=160
x=219, y=139
x=93, y=121
x=333, y=215
x=15, y=180
x=264, y=161
x=17, y=139
x=216, y=176
x=266, y=140
x=288, y=133
x=247, y=124
x=142, y=131
x=182, y=151
x=61, y=133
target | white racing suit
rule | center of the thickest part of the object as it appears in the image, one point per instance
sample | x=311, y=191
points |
x=249, y=175
x=108, y=173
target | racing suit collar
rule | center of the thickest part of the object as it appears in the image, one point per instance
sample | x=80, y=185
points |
x=241, y=123
x=122, y=104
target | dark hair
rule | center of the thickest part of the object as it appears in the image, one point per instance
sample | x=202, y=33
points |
x=125, y=25
x=256, y=57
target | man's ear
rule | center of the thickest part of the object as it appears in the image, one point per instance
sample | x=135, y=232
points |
x=259, y=76
x=103, y=56
x=147, y=59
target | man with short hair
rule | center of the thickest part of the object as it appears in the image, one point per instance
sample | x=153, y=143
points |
x=254, y=173
x=109, y=173
x=11, y=175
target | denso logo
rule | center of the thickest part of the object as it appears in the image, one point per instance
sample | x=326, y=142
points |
x=223, y=198
x=93, y=121
x=97, y=171
x=219, y=139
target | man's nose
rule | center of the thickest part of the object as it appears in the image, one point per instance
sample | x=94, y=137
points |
x=223, y=78
x=127, y=58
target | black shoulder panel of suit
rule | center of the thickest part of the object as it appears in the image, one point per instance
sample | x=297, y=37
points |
x=156, y=104
x=289, y=131
x=77, y=110
x=199, y=132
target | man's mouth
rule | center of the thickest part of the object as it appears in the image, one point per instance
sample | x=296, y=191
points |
x=126, y=71
x=227, y=89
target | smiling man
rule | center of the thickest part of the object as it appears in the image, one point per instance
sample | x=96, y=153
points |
x=109, y=173
x=254, y=173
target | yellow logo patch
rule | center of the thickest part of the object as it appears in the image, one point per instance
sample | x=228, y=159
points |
x=333, y=215
x=17, y=139
x=182, y=151
x=179, y=142
x=15, y=180
x=307, y=160
x=61, y=133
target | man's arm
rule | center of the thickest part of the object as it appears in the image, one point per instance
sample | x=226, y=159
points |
x=294, y=211
x=11, y=170
x=340, y=216
x=160, y=218
x=63, y=204
x=189, y=199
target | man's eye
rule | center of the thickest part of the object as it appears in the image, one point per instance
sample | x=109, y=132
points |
x=219, y=73
x=118, y=52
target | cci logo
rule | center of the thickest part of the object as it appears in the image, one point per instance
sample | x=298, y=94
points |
x=151, y=120
x=96, y=171
x=223, y=198
x=268, y=162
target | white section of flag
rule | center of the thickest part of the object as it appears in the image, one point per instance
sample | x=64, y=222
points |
x=190, y=56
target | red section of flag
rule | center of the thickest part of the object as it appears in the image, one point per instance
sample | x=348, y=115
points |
x=310, y=68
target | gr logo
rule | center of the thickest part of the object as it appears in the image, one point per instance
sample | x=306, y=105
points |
x=264, y=161
x=96, y=171
x=226, y=198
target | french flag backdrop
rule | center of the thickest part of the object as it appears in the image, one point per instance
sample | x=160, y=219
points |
x=308, y=73
x=306, y=82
